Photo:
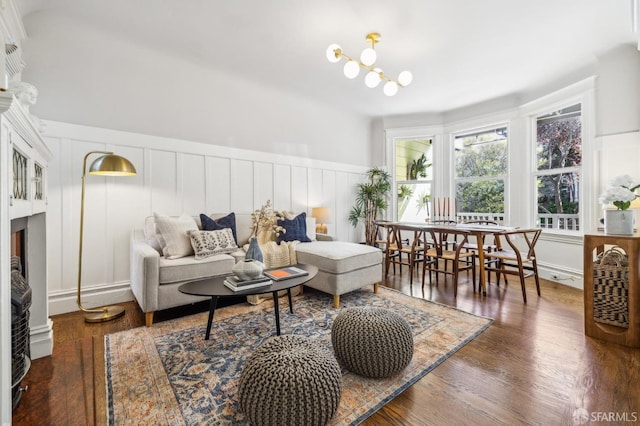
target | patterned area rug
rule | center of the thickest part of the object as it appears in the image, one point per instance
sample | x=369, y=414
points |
x=169, y=375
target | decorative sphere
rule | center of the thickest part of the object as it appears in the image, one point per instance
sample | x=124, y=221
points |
x=368, y=56
x=390, y=88
x=405, y=78
x=351, y=69
x=372, y=79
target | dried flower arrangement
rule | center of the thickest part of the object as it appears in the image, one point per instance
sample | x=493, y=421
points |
x=266, y=220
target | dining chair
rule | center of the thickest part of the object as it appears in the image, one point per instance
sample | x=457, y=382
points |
x=383, y=240
x=517, y=257
x=445, y=222
x=442, y=249
x=404, y=251
x=382, y=227
x=473, y=246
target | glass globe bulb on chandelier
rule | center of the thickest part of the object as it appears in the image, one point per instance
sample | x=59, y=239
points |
x=368, y=57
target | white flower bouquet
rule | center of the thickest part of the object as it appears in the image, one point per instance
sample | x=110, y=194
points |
x=620, y=192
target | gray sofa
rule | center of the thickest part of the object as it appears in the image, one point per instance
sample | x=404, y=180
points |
x=343, y=267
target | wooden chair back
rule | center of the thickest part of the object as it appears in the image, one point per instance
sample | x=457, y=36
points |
x=443, y=249
x=522, y=252
x=402, y=250
x=519, y=258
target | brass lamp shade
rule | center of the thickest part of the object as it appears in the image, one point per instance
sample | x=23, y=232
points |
x=108, y=164
x=112, y=165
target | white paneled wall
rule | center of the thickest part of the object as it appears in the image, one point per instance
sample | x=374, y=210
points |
x=174, y=177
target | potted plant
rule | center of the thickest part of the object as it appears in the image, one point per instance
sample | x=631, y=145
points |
x=404, y=192
x=419, y=168
x=371, y=200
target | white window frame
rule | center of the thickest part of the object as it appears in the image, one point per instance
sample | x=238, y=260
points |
x=428, y=132
x=582, y=93
x=505, y=177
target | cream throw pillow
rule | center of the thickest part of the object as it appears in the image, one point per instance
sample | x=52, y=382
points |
x=174, y=231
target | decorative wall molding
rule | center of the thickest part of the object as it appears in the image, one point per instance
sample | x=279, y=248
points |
x=174, y=177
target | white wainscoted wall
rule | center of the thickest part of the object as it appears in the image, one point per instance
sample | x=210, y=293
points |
x=174, y=177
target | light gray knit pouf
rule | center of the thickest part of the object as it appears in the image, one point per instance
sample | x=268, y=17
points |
x=290, y=380
x=372, y=342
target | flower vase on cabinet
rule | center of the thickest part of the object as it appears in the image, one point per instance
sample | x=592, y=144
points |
x=618, y=222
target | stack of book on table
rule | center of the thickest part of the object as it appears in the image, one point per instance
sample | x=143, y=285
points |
x=235, y=284
x=285, y=273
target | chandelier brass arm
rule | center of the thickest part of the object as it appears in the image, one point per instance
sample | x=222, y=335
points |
x=367, y=59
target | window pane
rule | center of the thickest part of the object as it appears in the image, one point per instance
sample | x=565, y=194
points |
x=414, y=202
x=481, y=154
x=559, y=139
x=414, y=160
x=559, y=193
x=480, y=197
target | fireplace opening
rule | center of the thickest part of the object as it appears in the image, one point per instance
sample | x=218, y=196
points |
x=18, y=245
x=21, y=297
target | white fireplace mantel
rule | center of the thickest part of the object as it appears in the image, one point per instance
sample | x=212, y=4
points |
x=19, y=130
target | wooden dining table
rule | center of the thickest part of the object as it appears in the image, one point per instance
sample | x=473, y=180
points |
x=477, y=230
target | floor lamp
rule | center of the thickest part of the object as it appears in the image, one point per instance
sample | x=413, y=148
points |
x=108, y=164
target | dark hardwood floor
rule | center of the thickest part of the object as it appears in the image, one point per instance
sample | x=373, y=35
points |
x=534, y=365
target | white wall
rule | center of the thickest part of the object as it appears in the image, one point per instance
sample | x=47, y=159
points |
x=174, y=177
x=618, y=92
x=106, y=80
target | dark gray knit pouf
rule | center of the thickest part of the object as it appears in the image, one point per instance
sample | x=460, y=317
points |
x=372, y=342
x=290, y=380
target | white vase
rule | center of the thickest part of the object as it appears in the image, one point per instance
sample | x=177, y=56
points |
x=248, y=269
x=618, y=222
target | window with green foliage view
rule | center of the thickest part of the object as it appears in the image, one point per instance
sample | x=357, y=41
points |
x=559, y=160
x=481, y=170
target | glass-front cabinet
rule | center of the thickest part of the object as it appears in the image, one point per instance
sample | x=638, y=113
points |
x=27, y=190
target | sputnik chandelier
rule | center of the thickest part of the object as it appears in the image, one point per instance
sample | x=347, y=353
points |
x=367, y=58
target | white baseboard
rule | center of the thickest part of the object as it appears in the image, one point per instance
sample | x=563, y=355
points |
x=65, y=301
x=562, y=275
x=41, y=339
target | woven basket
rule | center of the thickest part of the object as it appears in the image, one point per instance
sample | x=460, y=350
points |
x=611, y=288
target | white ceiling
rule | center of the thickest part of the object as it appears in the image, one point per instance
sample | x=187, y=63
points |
x=461, y=52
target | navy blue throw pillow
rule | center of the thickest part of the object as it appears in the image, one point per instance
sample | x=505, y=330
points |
x=296, y=229
x=229, y=221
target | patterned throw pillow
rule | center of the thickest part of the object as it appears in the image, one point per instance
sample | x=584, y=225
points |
x=210, y=243
x=174, y=234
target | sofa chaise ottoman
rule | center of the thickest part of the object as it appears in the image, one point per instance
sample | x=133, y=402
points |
x=155, y=279
x=342, y=267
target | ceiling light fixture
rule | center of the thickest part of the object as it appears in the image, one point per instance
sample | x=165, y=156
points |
x=368, y=57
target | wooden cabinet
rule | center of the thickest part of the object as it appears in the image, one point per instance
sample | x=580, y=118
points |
x=606, y=292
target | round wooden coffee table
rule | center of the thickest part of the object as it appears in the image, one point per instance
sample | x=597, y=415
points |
x=215, y=288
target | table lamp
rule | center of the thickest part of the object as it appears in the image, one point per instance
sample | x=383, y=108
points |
x=323, y=216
